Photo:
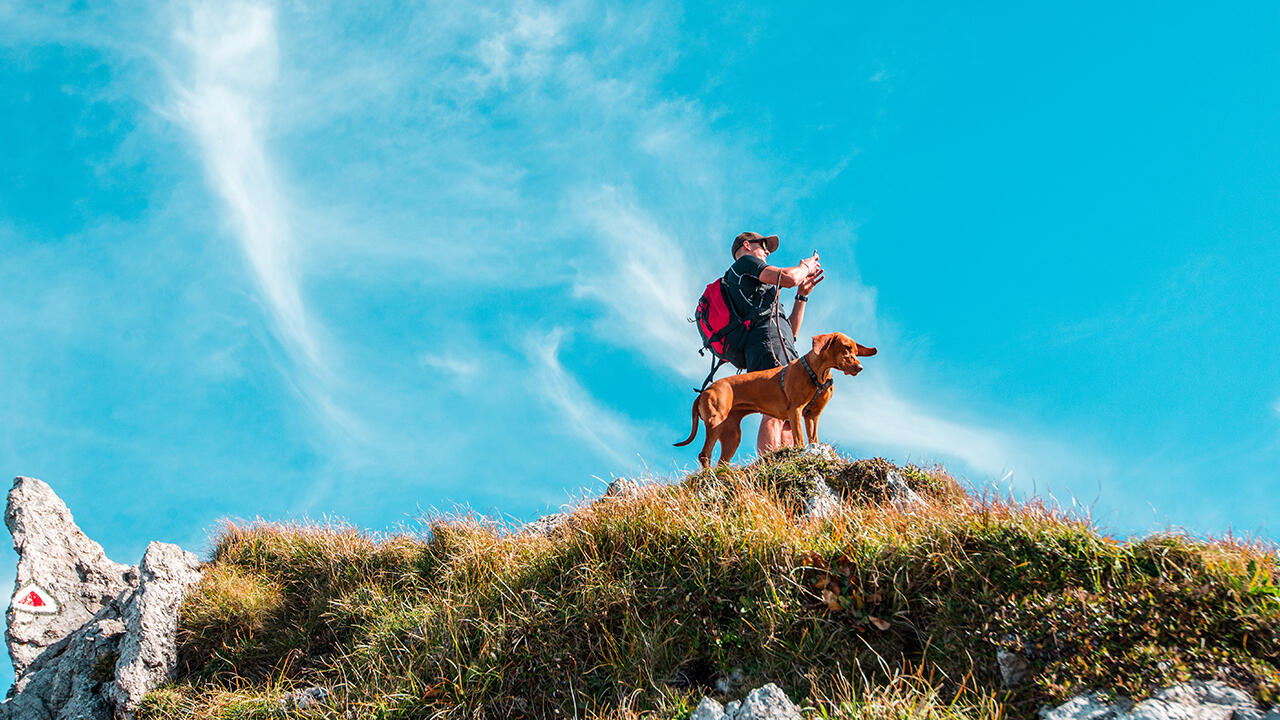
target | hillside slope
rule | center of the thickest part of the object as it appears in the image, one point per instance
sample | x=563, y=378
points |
x=903, y=596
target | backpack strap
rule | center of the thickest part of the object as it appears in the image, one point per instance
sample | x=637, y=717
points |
x=734, y=324
x=715, y=365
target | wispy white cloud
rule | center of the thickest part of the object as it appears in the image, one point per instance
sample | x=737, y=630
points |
x=606, y=429
x=643, y=280
x=224, y=100
x=524, y=49
x=462, y=369
x=223, y=91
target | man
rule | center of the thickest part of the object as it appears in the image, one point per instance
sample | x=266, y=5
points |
x=753, y=287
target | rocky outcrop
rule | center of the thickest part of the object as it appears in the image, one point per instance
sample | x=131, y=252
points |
x=1197, y=700
x=98, y=635
x=763, y=703
x=148, y=652
x=622, y=488
x=618, y=490
x=903, y=495
x=822, y=502
x=63, y=563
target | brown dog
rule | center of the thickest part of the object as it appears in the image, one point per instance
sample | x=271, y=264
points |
x=786, y=392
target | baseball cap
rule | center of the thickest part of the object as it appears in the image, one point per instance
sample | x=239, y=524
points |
x=770, y=241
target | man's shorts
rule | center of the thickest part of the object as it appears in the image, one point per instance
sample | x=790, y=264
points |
x=765, y=350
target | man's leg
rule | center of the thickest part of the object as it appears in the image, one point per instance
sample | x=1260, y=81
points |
x=774, y=434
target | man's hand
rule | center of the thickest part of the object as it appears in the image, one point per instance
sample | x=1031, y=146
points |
x=811, y=264
x=806, y=286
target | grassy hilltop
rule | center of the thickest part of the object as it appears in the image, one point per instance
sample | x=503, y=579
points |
x=637, y=605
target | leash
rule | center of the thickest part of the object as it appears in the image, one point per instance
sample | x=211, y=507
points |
x=777, y=325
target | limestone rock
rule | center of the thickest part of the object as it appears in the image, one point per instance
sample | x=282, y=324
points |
x=311, y=698
x=708, y=709
x=1013, y=667
x=764, y=703
x=823, y=502
x=821, y=450
x=149, y=651
x=623, y=488
x=546, y=524
x=57, y=557
x=1198, y=700
x=112, y=637
x=903, y=495
x=767, y=703
x=1088, y=706
x=65, y=683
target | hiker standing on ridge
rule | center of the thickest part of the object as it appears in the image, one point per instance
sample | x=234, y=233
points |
x=753, y=286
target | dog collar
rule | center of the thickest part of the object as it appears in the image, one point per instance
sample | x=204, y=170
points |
x=814, y=376
x=818, y=386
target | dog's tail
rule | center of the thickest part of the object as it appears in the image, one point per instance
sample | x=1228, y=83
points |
x=693, y=433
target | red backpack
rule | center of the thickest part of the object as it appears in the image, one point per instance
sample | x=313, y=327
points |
x=723, y=332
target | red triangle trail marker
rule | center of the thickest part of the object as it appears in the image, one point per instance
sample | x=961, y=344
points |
x=33, y=599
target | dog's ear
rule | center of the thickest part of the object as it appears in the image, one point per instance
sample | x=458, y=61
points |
x=865, y=351
x=820, y=342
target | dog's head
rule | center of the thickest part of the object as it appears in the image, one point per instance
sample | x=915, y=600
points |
x=841, y=352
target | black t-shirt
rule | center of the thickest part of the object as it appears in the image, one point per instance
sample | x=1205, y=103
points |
x=752, y=299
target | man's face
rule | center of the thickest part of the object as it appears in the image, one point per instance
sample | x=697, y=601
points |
x=759, y=249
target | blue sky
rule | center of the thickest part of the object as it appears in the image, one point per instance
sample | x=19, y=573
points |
x=298, y=260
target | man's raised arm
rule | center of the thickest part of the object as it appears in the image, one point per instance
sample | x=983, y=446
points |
x=792, y=276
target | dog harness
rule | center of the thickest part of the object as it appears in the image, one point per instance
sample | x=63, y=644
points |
x=818, y=386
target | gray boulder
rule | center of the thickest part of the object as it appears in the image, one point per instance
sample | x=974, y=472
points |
x=767, y=703
x=763, y=703
x=1088, y=706
x=65, y=683
x=903, y=495
x=1013, y=667
x=822, y=503
x=73, y=667
x=311, y=698
x=1197, y=700
x=63, y=563
x=708, y=709
x=623, y=488
x=820, y=450
x=545, y=525
x=149, y=650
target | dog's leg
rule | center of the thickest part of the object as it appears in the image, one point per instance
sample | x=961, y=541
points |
x=814, y=411
x=714, y=430
x=731, y=437
x=704, y=457
x=798, y=426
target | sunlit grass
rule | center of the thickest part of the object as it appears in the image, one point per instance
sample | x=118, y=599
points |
x=636, y=606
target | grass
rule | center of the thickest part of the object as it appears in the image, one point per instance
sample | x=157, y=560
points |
x=638, y=605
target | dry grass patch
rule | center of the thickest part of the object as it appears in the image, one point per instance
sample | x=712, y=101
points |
x=636, y=606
